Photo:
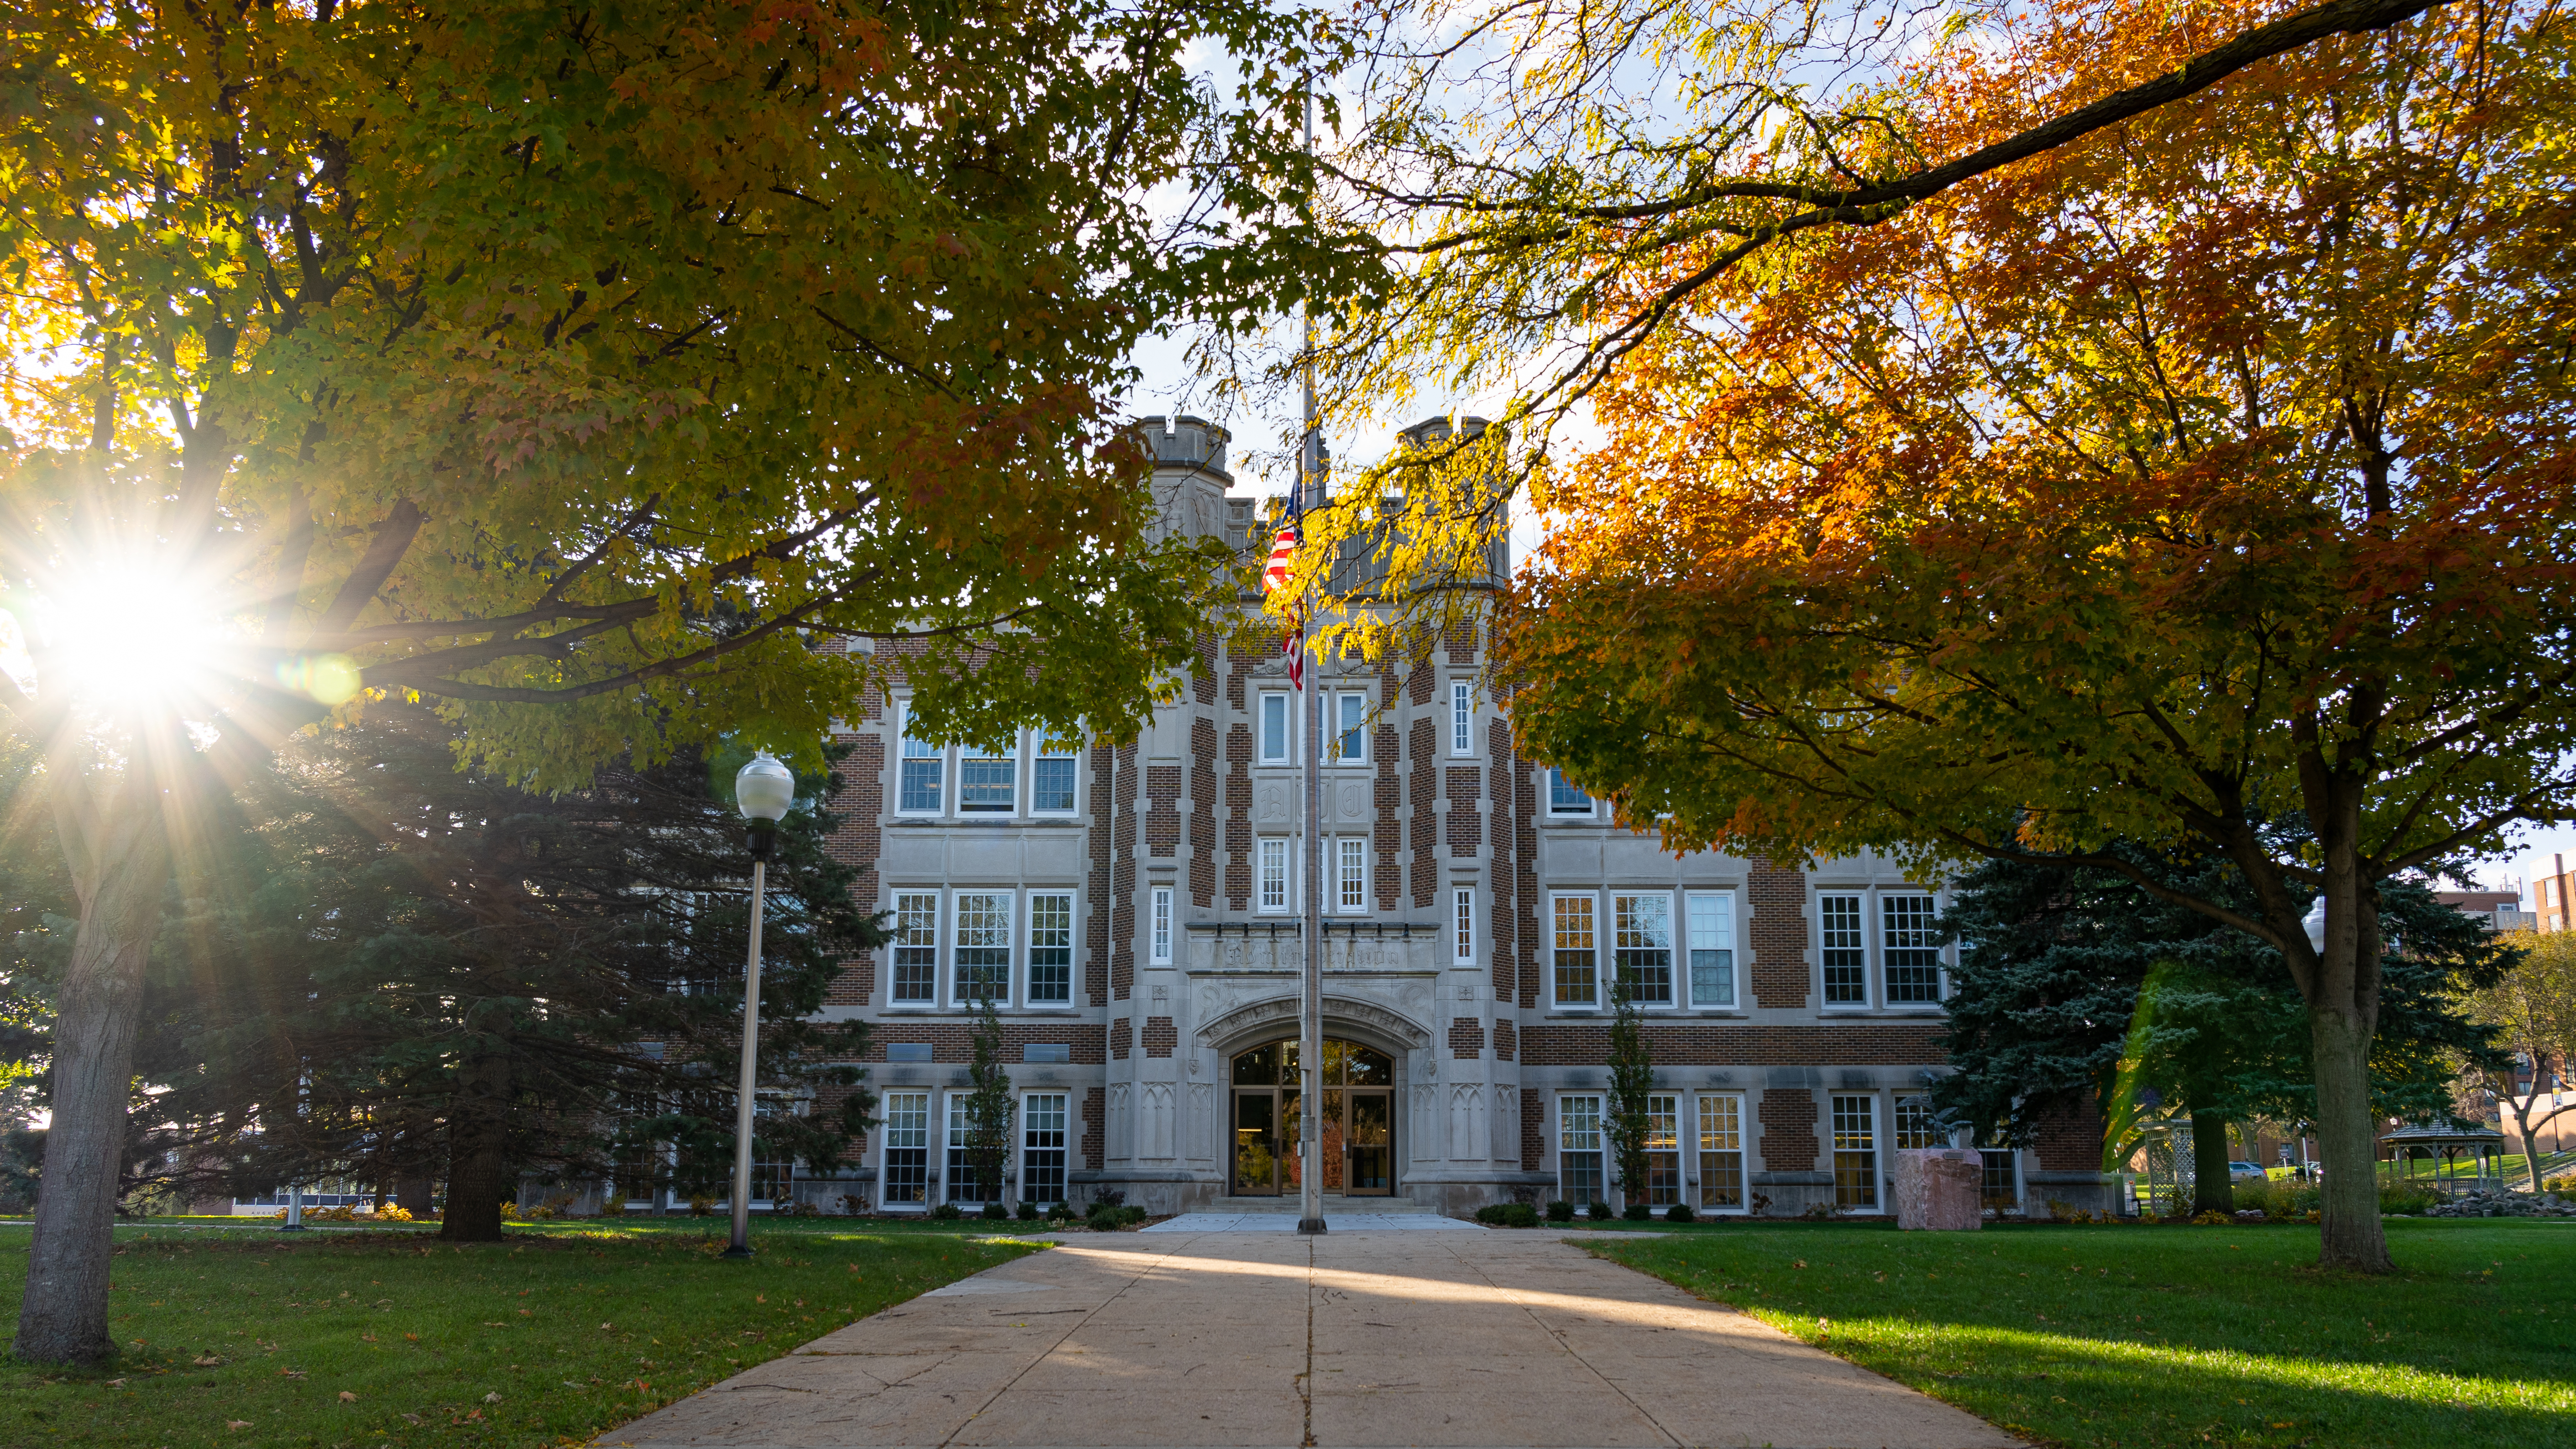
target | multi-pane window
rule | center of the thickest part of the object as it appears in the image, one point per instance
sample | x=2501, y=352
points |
x=1855, y=1152
x=1916, y=1126
x=1274, y=873
x=1350, y=742
x=1159, y=944
x=1642, y=940
x=773, y=1170
x=1462, y=714
x=987, y=784
x=1577, y=971
x=1711, y=924
x=1465, y=901
x=1350, y=874
x=1846, y=963
x=983, y=952
x=924, y=770
x=1910, y=950
x=1042, y=1123
x=907, y=1146
x=915, y=947
x=964, y=1183
x=2002, y=1187
x=1050, y=948
x=1721, y=1152
x=1663, y=1152
x=1051, y=777
x=1274, y=729
x=1578, y=1149
x=1563, y=798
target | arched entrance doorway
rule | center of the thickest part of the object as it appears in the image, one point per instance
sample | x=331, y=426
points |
x=1357, y=1120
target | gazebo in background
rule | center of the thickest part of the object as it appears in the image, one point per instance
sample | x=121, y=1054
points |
x=2444, y=1145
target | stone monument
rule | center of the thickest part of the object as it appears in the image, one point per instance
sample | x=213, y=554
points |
x=1940, y=1189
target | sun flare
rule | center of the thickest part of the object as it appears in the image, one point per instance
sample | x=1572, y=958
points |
x=126, y=635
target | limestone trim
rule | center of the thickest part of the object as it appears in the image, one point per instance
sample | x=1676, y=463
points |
x=1339, y=1011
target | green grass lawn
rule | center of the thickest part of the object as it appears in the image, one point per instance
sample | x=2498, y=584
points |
x=2123, y=1336
x=239, y=1338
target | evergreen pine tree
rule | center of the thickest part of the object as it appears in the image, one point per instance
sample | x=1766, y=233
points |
x=1632, y=1077
x=989, y=1109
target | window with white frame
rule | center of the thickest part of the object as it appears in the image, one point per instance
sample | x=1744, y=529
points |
x=1642, y=945
x=922, y=772
x=1721, y=1151
x=915, y=948
x=1051, y=771
x=1916, y=1126
x=1578, y=970
x=987, y=784
x=1855, y=1152
x=1274, y=872
x=981, y=956
x=1159, y=942
x=907, y=1147
x=1564, y=798
x=964, y=1184
x=1663, y=1151
x=1909, y=950
x=1050, y=948
x=1350, y=740
x=1710, y=920
x=1845, y=961
x=1350, y=875
x=1465, y=903
x=1462, y=716
x=1578, y=1149
x=1275, y=732
x=1042, y=1134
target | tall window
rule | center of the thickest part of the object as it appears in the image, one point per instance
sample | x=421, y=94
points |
x=2002, y=1187
x=1350, y=874
x=1910, y=950
x=907, y=1146
x=1721, y=1152
x=1916, y=1127
x=987, y=784
x=1563, y=798
x=1577, y=972
x=1042, y=1122
x=916, y=947
x=1161, y=943
x=1350, y=744
x=1663, y=1151
x=962, y=1184
x=1466, y=911
x=1051, y=777
x=924, y=771
x=1050, y=949
x=1642, y=928
x=1578, y=1149
x=1712, y=948
x=1274, y=729
x=1846, y=964
x=983, y=955
x=1274, y=873
x=1856, y=1152
x=1462, y=713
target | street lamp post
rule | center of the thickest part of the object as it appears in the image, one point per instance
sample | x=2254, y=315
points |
x=763, y=790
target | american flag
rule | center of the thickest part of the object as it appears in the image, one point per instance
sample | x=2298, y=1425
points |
x=1274, y=576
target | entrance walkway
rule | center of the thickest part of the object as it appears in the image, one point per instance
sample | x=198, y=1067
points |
x=1360, y=1338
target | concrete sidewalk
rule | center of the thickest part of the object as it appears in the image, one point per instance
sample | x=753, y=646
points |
x=1360, y=1338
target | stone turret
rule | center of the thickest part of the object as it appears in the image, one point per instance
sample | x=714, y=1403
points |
x=1190, y=477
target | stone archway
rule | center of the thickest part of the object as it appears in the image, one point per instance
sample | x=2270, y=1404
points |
x=1343, y=1016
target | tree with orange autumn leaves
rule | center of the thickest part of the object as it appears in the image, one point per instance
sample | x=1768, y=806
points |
x=2212, y=470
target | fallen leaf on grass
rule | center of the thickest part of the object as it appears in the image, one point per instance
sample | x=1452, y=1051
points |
x=348, y=1398
x=209, y=1361
x=414, y=1337
x=491, y=1398
x=366, y=1338
x=412, y=1419
x=237, y=1423
x=116, y=1383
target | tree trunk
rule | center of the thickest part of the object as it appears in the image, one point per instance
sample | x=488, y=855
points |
x=2348, y=1196
x=122, y=873
x=477, y=1137
x=412, y=1193
x=2212, y=1191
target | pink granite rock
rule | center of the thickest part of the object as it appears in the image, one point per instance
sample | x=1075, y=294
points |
x=1940, y=1189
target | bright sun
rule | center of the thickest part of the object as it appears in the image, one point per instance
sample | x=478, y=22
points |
x=126, y=635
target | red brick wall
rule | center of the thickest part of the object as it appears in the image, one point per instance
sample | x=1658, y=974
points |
x=1466, y=1038
x=1122, y=877
x=1238, y=816
x=1461, y=639
x=1858, y=1043
x=1162, y=811
x=954, y=1041
x=1160, y=1036
x=1390, y=799
x=1203, y=678
x=1426, y=817
x=860, y=802
x=1119, y=1038
x=1095, y=926
x=1466, y=817
x=1524, y=798
x=2068, y=1138
x=1533, y=1129
x=1779, y=935
x=1202, y=812
x=1095, y=1122
x=1788, y=1117
x=1506, y=1039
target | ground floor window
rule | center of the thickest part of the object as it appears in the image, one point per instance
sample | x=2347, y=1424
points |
x=1855, y=1152
x=964, y=1184
x=907, y=1147
x=1721, y=1152
x=1663, y=1151
x=1916, y=1125
x=2002, y=1190
x=1578, y=1149
x=1042, y=1121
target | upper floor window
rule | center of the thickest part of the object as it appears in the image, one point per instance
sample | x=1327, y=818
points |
x=983, y=950
x=1910, y=950
x=1577, y=970
x=1051, y=777
x=1350, y=874
x=1160, y=945
x=1274, y=729
x=1462, y=714
x=1466, y=912
x=987, y=784
x=1050, y=948
x=1274, y=873
x=1711, y=923
x=1845, y=959
x=1563, y=798
x=1643, y=939
x=1350, y=745
x=915, y=947
x=924, y=771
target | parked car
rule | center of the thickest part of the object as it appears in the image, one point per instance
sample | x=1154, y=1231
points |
x=2246, y=1172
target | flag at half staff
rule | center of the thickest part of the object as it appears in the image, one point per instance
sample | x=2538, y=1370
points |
x=1274, y=576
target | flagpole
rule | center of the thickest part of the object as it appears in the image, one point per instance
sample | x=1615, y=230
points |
x=1310, y=1015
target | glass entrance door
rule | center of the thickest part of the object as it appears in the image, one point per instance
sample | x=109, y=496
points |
x=1357, y=1121
x=1371, y=1144
x=1256, y=1143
